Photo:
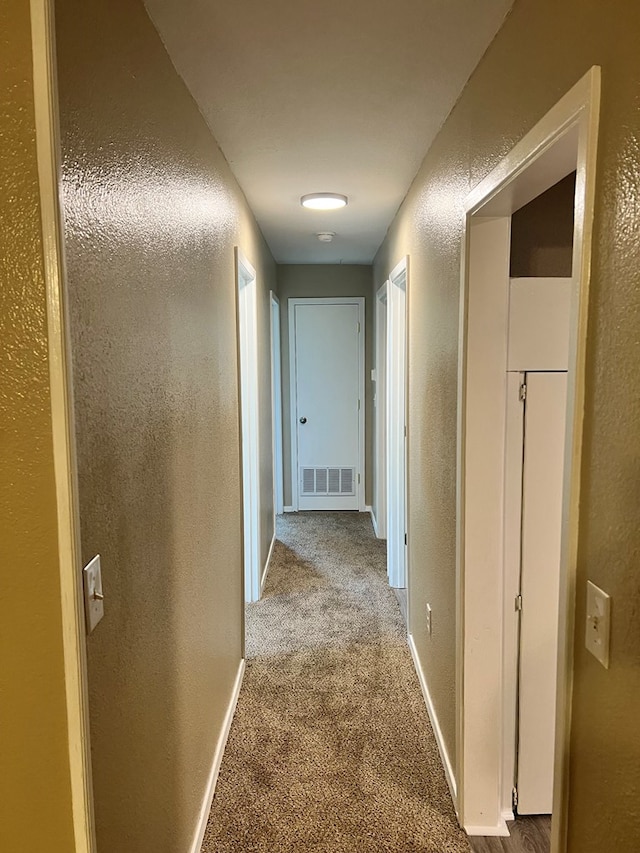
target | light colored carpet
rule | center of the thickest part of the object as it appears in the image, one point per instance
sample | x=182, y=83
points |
x=331, y=748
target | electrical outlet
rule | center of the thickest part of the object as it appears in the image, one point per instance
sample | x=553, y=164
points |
x=429, y=619
x=598, y=623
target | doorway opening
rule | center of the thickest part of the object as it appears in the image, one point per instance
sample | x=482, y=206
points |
x=519, y=439
x=248, y=350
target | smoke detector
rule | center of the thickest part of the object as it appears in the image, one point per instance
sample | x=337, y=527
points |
x=326, y=236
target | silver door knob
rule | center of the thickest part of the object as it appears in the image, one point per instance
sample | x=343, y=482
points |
x=303, y=420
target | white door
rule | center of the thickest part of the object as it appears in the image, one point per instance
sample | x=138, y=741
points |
x=327, y=402
x=543, y=470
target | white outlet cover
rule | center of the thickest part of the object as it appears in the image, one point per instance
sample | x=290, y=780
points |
x=93, y=599
x=598, y=628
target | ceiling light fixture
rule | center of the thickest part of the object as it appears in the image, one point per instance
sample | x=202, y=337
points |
x=326, y=236
x=323, y=201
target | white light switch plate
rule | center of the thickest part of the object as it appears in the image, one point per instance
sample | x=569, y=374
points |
x=93, y=598
x=598, y=623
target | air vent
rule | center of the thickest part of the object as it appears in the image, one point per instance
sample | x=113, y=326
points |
x=346, y=481
x=321, y=480
x=327, y=481
x=308, y=481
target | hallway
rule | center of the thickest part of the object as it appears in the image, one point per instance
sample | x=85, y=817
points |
x=331, y=747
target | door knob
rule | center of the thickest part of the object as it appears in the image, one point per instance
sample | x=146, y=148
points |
x=303, y=420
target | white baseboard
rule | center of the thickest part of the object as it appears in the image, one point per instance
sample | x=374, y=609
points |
x=217, y=761
x=500, y=830
x=507, y=815
x=289, y=509
x=444, y=755
x=374, y=520
x=265, y=571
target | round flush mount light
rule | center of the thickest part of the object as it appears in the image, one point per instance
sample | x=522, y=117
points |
x=323, y=201
x=326, y=236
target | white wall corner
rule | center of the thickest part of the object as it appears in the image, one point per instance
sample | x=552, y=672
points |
x=217, y=762
x=265, y=570
x=374, y=520
x=437, y=731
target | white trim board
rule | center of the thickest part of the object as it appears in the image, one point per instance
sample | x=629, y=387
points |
x=217, y=762
x=435, y=725
x=501, y=830
x=267, y=564
x=246, y=289
x=276, y=404
x=72, y=625
x=289, y=509
x=397, y=431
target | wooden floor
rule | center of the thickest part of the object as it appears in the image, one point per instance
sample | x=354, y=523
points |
x=528, y=835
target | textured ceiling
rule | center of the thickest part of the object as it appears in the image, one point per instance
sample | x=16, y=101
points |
x=342, y=96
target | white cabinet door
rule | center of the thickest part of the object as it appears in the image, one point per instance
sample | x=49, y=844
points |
x=327, y=359
x=544, y=430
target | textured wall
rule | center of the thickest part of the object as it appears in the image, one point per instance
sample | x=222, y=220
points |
x=542, y=233
x=34, y=752
x=152, y=215
x=306, y=280
x=541, y=51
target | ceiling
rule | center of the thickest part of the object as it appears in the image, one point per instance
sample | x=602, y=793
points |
x=341, y=96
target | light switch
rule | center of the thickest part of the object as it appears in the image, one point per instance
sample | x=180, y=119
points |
x=93, y=597
x=598, y=623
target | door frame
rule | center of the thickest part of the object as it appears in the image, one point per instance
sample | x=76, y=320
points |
x=397, y=426
x=565, y=139
x=74, y=641
x=293, y=395
x=379, y=517
x=247, y=311
x=276, y=407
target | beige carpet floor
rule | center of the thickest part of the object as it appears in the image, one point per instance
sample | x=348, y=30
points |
x=331, y=748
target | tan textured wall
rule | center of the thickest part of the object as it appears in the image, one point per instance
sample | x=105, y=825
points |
x=35, y=785
x=307, y=280
x=542, y=233
x=543, y=48
x=152, y=216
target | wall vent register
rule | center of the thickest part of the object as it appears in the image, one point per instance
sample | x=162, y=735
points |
x=327, y=481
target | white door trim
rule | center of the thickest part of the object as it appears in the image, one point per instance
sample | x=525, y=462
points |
x=380, y=414
x=563, y=140
x=249, y=422
x=337, y=300
x=62, y=427
x=276, y=407
x=397, y=373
